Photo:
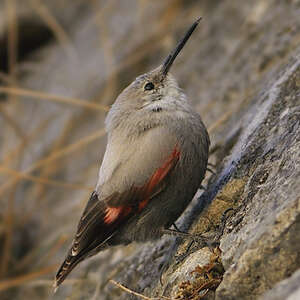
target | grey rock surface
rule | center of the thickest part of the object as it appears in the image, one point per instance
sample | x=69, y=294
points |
x=286, y=289
x=241, y=70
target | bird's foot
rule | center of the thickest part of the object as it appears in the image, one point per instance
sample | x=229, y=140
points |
x=199, y=241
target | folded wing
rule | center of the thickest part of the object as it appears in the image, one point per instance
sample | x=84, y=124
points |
x=102, y=217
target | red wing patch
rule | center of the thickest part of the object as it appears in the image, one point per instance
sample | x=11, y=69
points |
x=114, y=213
x=144, y=193
x=160, y=174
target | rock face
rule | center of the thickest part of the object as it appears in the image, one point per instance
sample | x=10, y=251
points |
x=241, y=70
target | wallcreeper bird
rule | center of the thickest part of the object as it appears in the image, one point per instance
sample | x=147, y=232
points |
x=155, y=159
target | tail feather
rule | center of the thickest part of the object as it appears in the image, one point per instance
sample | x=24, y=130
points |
x=67, y=266
x=72, y=261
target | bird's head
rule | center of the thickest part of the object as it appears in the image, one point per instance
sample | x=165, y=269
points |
x=154, y=91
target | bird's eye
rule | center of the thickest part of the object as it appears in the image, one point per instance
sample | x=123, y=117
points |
x=149, y=86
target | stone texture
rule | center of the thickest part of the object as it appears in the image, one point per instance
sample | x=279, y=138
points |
x=286, y=289
x=241, y=70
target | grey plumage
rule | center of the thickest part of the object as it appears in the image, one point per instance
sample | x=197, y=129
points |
x=155, y=160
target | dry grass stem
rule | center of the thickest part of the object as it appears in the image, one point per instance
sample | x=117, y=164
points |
x=219, y=122
x=13, y=124
x=49, y=283
x=46, y=181
x=54, y=156
x=56, y=28
x=48, y=97
x=127, y=290
x=55, y=248
x=50, y=169
x=11, y=155
x=22, y=279
x=226, y=116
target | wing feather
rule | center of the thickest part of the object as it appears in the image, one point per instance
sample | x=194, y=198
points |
x=102, y=217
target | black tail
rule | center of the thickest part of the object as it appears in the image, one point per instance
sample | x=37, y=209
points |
x=72, y=261
x=67, y=266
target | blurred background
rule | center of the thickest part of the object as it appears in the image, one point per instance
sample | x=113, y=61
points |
x=62, y=64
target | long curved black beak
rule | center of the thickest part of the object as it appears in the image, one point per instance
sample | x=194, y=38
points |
x=171, y=57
